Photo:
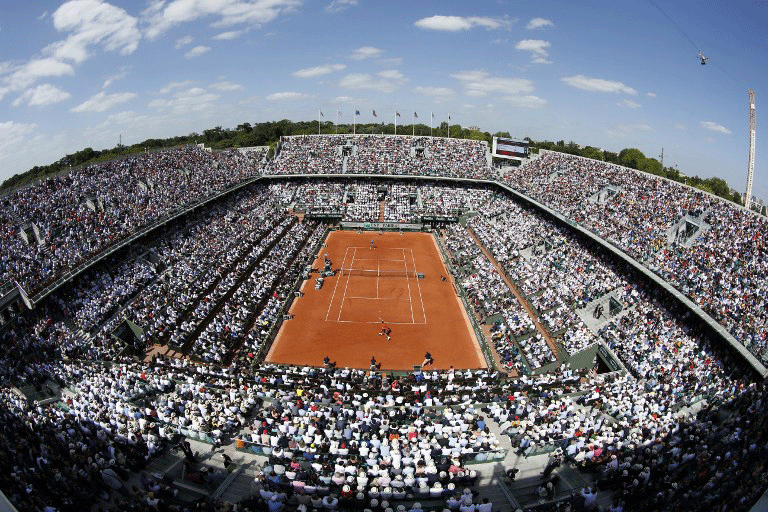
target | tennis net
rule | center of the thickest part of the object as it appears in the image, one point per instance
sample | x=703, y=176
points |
x=376, y=273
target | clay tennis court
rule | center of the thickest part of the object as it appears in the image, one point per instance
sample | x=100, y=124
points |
x=343, y=318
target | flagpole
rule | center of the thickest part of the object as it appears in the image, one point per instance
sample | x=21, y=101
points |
x=413, y=126
x=354, y=123
x=449, y=126
x=430, y=123
x=336, y=127
x=395, y=122
x=319, y=113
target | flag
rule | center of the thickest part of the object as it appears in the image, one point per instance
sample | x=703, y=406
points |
x=374, y=114
x=415, y=114
x=338, y=112
x=357, y=112
x=449, y=117
x=397, y=113
x=321, y=113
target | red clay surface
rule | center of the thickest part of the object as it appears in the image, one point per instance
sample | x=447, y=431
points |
x=343, y=319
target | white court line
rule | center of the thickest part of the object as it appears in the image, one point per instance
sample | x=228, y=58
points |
x=385, y=248
x=408, y=280
x=421, y=297
x=336, y=286
x=347, y=284
x=376, y=298
x=378, y=271
x=376, y=322
x=374, y=259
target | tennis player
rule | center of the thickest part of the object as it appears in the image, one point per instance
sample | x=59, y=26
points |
x=385, y=330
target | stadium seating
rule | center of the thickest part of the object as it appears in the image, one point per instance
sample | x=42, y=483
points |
x=682, y=428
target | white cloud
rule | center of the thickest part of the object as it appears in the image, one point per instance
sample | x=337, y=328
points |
x=366, y=52
x=526, y=101
x=175, y=85
x=117, y=76
x=44, y=94
x=391, y=74
x=281, y=96
x=183, y=41
x=480, y=83
x=102, y=101
x=228, y=35
x=318, y=70
x=628, y=103
x=679, y=126
x=340, y=5
x=538, y=49
x=90, y=23
x=714, y=127
x=597, y=84
x=162, y=15
x=458, y=23
x=538, y=23
x=344, y=99
x=13, y=134
x=126, y=120
x=383, y=81
x=197, y=51
x=465, y=76
x=126, y=117
x=35, y=69
x=651, y=94
x=194, y=99
x=439, y=92
x=225, y=85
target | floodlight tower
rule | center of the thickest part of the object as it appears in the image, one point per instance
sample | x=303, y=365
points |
x=751, y=166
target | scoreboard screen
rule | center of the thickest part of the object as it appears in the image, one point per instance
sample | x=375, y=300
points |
x=509, y=148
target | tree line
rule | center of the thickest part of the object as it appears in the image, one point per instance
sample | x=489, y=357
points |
x=269, y=133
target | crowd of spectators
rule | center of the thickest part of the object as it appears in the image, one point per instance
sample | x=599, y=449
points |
x=201, y=268
x=321, y=197
x=718, y=264
x=82, y=212
x=402, y=203
x=515, y=338
x=382, y=154
x=363, y=202
x=99, y=294
x=366, y=201
x=214, y=286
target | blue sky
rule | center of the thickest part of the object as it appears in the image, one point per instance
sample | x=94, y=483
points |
x=610, y=74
